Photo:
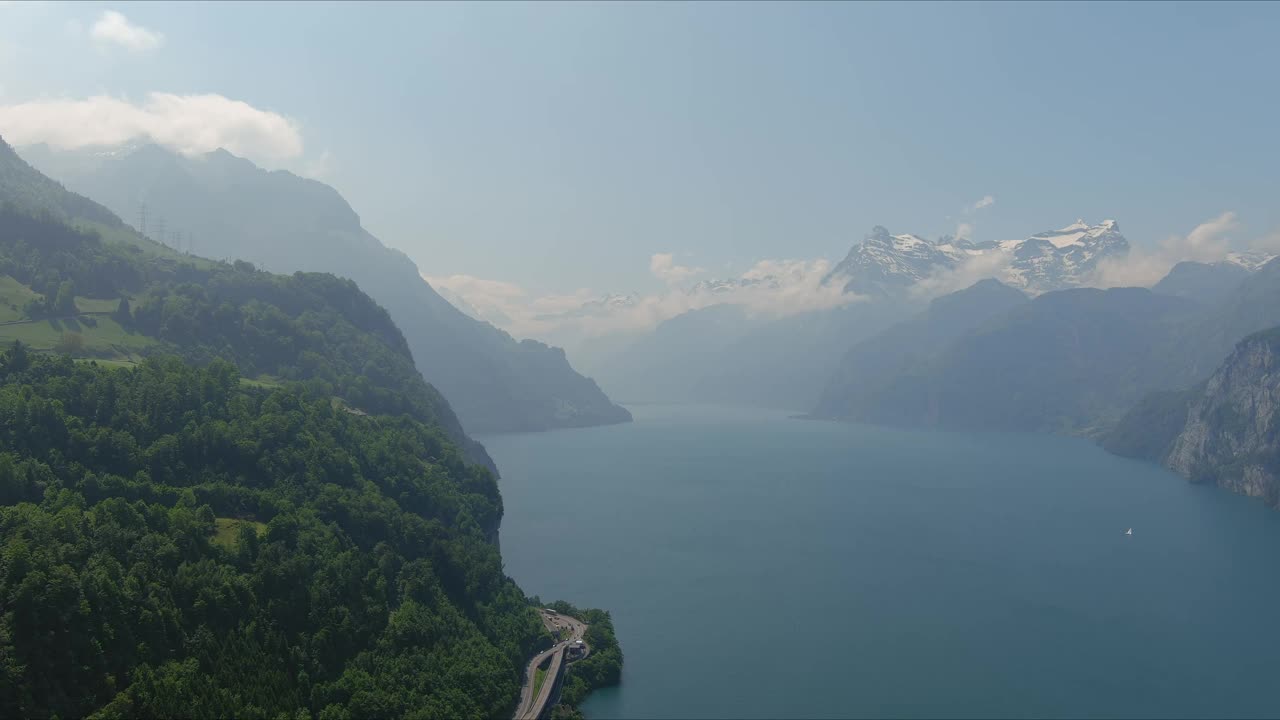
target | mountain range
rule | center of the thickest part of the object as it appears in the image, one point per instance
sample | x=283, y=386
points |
x=1071, y=360
x=224, y=206
x=729, y=353
x=890, y=266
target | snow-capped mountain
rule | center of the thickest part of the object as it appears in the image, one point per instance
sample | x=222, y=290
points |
x=1249, y=260
x=886, y=265
x=1059, y=259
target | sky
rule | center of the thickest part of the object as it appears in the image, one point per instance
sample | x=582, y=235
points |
x=566, y=150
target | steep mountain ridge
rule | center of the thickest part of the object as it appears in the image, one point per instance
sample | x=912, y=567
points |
x=1232, y=433
x=225, y=206
x=1225, y=431
x=202, y=309
x=28, y=189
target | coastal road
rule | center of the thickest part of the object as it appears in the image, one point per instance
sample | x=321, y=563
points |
x=531, y=707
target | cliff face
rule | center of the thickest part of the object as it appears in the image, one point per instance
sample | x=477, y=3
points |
x=1232, y=432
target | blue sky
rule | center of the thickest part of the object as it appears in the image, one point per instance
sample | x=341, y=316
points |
x=557, y=147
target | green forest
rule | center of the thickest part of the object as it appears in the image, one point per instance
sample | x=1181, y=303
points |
x=361, y=583
x=307, y=327
x=229, y=493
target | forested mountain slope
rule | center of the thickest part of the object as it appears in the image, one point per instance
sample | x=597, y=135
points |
x=223, y=206
x=178, y=544
x=227, y=493
x=24, y=187
x=304, y=327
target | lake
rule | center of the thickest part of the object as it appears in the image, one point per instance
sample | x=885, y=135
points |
x=759, y=566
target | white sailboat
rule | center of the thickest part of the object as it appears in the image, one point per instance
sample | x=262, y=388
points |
x=1129, y=531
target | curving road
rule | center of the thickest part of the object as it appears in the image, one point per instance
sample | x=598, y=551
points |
x=530, y=707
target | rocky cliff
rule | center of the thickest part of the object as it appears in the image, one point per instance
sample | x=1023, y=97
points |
x=1232, y=432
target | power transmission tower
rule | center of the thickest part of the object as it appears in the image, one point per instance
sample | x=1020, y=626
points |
x=142, y=219
x=160, y=231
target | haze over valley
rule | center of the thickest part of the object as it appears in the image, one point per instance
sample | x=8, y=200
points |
x=564, y=360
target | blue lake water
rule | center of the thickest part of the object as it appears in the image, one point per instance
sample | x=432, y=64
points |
x=758, y=566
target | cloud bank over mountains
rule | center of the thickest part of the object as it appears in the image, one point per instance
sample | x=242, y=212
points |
x=1209, y=242
x=774, y=288
x=189, y=124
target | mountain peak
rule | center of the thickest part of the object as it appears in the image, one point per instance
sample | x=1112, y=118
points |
x=1077, y=232
x=885, y=264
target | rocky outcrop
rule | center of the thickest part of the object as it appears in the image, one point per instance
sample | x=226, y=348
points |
x=1231, y=437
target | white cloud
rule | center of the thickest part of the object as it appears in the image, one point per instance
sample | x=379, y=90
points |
x=664, y=267
x=190, y=124
x=1207, y=242
x=790, y=287
x=113, y=28
x=771, y=288
x=986, y=202
x=978, y=267
x=964, y=231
